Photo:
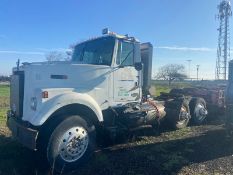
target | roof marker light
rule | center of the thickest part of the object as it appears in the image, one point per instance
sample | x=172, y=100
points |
x=105, y=31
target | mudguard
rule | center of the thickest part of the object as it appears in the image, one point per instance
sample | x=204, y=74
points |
x=59, y=101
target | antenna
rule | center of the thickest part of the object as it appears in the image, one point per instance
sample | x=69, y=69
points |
x=223, y=50
x=17, y=64
x=198, y=67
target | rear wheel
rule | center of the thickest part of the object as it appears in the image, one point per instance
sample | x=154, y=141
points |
x=184, y=116
x=178, y=113
x=71, y=144
x=198, y=110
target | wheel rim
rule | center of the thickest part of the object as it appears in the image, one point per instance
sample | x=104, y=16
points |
x=184, y=116
x=200, y=112
x=73, y=144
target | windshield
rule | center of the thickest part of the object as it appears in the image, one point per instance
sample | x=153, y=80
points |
x=97, y=52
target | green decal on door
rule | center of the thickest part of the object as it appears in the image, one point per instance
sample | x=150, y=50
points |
x=123, y=92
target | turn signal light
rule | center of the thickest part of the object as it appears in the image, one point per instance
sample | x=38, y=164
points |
x=45, y=94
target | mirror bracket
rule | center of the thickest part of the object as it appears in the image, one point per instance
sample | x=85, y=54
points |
x=138, y=66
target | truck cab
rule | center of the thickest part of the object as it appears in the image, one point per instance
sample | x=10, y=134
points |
x=105, y=71
x=59, y=107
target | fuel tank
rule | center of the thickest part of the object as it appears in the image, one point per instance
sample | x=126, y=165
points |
x=147, y=113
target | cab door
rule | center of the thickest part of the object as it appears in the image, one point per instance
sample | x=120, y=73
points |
x=126, y=77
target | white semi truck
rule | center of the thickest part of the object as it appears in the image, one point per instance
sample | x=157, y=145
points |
x=58, y=108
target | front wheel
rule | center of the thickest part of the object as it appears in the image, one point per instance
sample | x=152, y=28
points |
x=71, y=144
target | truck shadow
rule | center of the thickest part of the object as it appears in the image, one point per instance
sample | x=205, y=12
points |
x=150, y=157
x=17, y=160
x=165, y=157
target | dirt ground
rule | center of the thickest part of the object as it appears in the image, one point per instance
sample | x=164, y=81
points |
x=199, y=150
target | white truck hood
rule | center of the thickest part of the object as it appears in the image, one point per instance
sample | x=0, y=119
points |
x=65, y=75
x=62, y=78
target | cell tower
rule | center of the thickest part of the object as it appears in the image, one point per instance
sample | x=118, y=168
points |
x=223, y=51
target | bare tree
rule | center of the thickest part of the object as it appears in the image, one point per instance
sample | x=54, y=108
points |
x=4, y=78
x=58, y=56
x=171, y=72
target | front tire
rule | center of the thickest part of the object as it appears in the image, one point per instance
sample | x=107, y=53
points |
x=71, y=144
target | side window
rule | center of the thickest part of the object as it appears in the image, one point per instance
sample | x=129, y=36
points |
x=125, y=54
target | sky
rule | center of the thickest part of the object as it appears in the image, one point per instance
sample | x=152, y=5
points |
x=179, y=30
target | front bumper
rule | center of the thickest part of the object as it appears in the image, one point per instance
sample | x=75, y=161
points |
x=25, y=135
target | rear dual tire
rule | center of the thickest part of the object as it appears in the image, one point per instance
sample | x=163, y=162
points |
x=184, y=116
x=198, y=110
x=177, y=113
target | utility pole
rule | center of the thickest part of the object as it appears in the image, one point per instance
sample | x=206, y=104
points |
x=223, y=51
x=198, y=66
x=189, y=67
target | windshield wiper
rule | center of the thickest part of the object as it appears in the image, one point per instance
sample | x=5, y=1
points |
x=125, y=58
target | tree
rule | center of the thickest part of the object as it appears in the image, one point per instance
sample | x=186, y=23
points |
x=171, y=72
x=58, y=56
x=4, y=78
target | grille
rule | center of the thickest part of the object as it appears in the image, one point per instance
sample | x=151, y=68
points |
x=17, y=93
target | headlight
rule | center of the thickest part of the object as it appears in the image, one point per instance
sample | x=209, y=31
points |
x=33, y=103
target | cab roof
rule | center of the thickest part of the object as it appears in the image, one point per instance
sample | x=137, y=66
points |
x=111, y=34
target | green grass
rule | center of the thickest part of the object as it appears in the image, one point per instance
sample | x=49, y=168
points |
x=4, y=90
x=4, y=102
x=162, y=86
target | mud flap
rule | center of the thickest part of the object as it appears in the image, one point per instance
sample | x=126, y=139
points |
x=26, y=136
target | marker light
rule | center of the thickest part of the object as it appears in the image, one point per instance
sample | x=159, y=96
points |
x=45, y=94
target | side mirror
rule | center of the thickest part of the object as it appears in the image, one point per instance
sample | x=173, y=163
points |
x=138, y=66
